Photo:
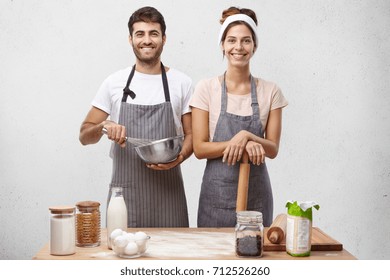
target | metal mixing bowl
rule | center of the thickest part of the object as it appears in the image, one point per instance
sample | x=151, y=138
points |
x=161, y=151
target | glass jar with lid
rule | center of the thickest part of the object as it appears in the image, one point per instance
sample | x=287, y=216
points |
x=62, y=230
x=88, y=224
x=249, y=234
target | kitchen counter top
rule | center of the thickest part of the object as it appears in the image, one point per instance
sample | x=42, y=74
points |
x=200, y=244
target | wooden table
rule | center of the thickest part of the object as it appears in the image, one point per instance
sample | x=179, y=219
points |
x=200, y=244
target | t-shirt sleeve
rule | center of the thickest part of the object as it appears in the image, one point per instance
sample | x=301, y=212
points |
x=102, y=99
x=278, y=99
x=188, y=91
x=200, y=98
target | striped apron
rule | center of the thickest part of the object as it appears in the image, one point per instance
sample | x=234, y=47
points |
x=218, y=196
x=153, y=198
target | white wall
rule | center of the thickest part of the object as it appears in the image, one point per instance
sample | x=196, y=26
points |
x=329, y=57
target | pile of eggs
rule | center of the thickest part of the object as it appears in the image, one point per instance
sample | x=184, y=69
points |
x=127, y=244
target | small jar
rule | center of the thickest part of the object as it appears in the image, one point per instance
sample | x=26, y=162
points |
x=249, y=234
x=87, y=224
x=62, y=230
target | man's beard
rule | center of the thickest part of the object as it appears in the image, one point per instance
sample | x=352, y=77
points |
x=150, y=60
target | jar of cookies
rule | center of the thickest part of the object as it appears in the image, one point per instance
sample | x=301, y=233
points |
x=88, y=224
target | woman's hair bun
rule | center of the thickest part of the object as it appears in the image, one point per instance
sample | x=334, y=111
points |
x=235, y=10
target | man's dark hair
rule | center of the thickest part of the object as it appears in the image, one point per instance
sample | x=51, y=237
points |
x=147, y=14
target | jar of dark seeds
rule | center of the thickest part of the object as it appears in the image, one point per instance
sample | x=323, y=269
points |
x=87, y=224
x=249, y=234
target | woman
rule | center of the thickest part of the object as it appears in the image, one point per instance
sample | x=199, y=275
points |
x=232, y=114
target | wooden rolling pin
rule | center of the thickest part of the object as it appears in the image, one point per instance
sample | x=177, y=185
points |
x=243, y=181
x=277, y=231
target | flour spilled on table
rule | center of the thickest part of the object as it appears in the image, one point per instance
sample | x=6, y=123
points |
x=190, y=245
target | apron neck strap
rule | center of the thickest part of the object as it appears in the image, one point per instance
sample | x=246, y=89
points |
x=165, y=83
x=255, y=104
x=127, y=92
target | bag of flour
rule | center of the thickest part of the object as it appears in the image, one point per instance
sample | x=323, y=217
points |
x=299, y=227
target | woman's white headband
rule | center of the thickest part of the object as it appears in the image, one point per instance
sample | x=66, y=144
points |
x=238, y=17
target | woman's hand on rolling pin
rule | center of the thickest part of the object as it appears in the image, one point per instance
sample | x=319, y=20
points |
x=235, y=148
x=115, y=132
x=255, y=152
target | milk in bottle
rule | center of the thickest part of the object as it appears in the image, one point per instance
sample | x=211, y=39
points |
x=116, y=213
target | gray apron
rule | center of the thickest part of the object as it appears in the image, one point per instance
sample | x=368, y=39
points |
x=153, y=198
x=218, y=195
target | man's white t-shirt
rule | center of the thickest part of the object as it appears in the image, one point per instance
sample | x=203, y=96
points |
x=149, y=90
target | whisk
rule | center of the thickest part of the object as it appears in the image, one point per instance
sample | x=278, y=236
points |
x=135, y=141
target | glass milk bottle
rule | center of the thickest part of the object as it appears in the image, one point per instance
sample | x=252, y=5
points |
x=116, y=213
x=62, y=230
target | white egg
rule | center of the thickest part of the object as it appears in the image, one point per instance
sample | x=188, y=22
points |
x=130, y=236
x=140, y=235
x=120, y=241
x=131, y=248
x=119, y=244
x=140, y=239
x=115, y=233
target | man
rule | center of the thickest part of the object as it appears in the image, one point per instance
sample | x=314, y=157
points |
x=147, y=101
